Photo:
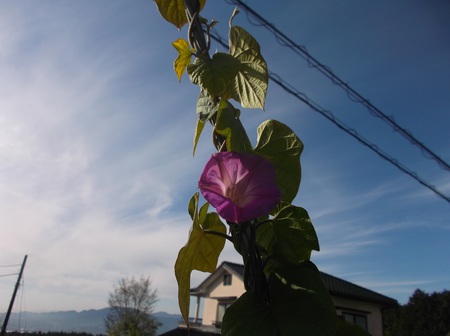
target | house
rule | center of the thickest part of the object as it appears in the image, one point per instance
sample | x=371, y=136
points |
x=219, y=290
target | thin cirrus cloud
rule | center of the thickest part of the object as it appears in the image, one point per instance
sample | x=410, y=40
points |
x=81, y=191
x=96, y=146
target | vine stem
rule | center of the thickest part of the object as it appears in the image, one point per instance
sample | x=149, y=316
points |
x=220, y=234
x=196, y=36
x=199, y=43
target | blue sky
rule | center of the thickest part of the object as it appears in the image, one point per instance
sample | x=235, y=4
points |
x=96, y=139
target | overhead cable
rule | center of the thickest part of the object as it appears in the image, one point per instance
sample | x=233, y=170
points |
x=6, y=275
x=352, y=132
x=353, y=95
x=17, y=265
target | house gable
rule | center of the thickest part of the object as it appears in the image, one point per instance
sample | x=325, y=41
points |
x=219, y=291
x=335, y=286
x=354, y=303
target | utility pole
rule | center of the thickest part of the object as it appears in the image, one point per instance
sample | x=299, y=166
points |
x=11, y=303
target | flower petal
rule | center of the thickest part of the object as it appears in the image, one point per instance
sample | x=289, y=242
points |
x=240, y=186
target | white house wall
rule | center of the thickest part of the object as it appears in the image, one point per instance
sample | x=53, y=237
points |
x=209, y=311
x=235, y=289
x=374, y=317
x=218, y=290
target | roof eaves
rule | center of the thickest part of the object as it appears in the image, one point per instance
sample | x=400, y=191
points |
x=236, y=269
x=335, y=286
x=343, y=288
x=228, y=266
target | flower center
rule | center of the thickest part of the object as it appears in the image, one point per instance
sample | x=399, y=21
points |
x=237, y=191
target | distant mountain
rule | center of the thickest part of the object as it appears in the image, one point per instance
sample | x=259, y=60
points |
x=89, y=321
x=168, y=321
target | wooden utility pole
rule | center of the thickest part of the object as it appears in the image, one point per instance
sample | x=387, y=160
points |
x=11, y=303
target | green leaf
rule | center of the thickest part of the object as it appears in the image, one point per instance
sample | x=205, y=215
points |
x=301, y=301
x=174, y=11
x=295, y=234
x=229, y=125
x=250, y=85
x=184, y=56
x=198, y=131
x=299, y=305
x=248, y=317
x=265, y=237
x=200, y=253
x=214, y=75
x=279, y=144
x=288, y=238
x=345, y=328
x=193, y=206
x=206, y=107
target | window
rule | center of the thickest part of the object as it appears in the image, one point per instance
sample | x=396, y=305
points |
x=358, y=319
x=221, y=307
x=227, y=279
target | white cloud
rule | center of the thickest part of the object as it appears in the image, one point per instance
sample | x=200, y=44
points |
x=90, y=183
x=96, y=173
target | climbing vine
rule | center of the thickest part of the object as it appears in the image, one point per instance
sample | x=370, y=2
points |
x=249, y=190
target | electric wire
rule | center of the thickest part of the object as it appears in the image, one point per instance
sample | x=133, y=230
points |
x=6, y=275
x=341, y=125
x=9, y=266
x=353, y=95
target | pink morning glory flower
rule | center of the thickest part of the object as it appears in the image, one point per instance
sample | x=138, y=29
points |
x=240, y=186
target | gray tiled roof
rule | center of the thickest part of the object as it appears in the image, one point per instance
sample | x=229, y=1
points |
x=334, y=285
x=347, y=289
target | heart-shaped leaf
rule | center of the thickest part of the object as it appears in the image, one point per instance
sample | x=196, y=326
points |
x=250, y=84
x=294, y=232
x=229, y=125
x=206, y=107
x=214, y=75
x=174, y=11
x=200, y=253
x=299, y=305
x=279, y=144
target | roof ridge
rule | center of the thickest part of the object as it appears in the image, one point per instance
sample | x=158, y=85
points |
x=356, y=285
x=349, y=289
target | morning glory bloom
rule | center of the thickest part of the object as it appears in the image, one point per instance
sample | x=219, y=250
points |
x=240, y=186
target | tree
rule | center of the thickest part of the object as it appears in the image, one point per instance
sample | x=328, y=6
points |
x=424, y=314
x=131, y=302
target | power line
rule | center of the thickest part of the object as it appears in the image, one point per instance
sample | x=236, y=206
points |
x=353, y=95
x=6, y=275
x=352, y=132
